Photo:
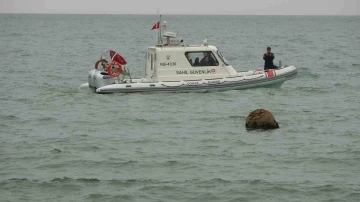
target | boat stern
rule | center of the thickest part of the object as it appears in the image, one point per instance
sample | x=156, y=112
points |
x=98, y=79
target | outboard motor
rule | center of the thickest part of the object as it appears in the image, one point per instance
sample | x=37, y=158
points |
x=90, y=78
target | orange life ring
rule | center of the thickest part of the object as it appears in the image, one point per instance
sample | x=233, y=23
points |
x=112, y=70
x=97, y=62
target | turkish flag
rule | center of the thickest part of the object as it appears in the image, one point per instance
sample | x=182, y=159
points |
x=156, y=26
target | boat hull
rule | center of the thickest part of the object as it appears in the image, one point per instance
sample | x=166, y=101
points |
x=208, y=85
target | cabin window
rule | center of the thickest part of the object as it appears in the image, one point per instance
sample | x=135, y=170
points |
x=201, y=58
x=222, y=58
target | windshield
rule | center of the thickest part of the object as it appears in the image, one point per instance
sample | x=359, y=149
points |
x=222, y=58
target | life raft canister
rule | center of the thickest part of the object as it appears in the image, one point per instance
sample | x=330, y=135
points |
x=117, y=57
x=114, y=69
x=102, y=61
x=270, y=73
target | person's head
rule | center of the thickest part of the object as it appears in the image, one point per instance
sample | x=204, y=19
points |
x=197, y=61
x=268, y=49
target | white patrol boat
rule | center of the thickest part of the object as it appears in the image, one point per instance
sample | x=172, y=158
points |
x=172, y=66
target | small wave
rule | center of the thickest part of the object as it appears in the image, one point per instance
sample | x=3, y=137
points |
x=209, y=119
x=342, y=85
x=231, y=117
x=3, y=126
x=282, y=189
x=23, y=100
x=105, y=197
x=158, y=187
x=97, y=196
x=237, y=117
x=312, y=89
x=240, y=142
x=332, y=65
x=220, y=180
x=142, y=121
x=250, y=130
x=235, y=58
x=225, y=100
x=9, y=117
x=144, y=141
x=327, y=188
x=228, y=181
x=210, y=140
x=64, y=179
x=354, y=75
x=346, y=152
x=209, y=146
x=85, y=163
x=18, y=179
x=47, y=119
x=16, y=34
x=53, y=76
x=308, y=75
x=354, y=196
x=332, y=50
x=89, y=148
x=327, y=160
x=25, y=54
x=129, y=182
x=67, y=179
x=171, y=162
x=56, y=151
x=123, y=163
x=356, y=65
x=88, y=180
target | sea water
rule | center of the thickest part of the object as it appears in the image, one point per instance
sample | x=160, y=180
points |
x=62, y=143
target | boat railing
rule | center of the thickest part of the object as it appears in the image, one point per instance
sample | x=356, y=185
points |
x=125, y=73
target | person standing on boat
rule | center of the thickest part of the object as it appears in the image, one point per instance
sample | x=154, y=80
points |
x=269, y=58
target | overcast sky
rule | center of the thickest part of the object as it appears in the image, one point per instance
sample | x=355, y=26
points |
x=233, y=7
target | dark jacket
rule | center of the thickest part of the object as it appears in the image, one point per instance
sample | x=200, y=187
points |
x=208, y=61
x=269, y=64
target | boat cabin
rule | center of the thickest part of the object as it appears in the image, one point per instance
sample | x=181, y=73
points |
x=171, y=60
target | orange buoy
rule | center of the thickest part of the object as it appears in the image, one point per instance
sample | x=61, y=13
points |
x=97, y=62
x=114, y=69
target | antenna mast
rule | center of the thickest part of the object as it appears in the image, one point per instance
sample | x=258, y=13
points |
x=160, y=25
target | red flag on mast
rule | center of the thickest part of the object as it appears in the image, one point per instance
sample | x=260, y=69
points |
x=156, y=26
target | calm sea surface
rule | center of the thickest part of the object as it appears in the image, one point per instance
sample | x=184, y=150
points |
x=62, y=143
